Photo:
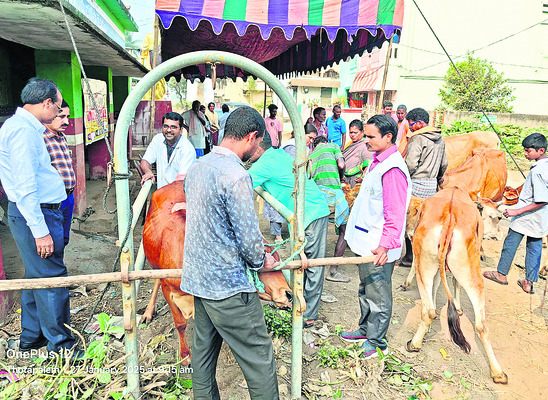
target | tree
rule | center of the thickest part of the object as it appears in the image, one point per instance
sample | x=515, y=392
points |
x=179, y=88
x=490, y=92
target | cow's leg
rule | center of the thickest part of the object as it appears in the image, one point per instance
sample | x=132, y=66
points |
x=409, y=278
x=457, y=302
x=436, y=286
x=425, y=280
x=469, y=277
x=149, y=312
x=179, y=319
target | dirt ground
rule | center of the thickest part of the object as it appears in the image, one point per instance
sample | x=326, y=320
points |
x=517, y=324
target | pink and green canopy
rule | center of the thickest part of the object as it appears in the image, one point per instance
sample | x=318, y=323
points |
x=286, y=36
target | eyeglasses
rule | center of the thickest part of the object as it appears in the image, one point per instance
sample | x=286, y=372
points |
x=59, y=108
x=420, y=120
x=172, y=127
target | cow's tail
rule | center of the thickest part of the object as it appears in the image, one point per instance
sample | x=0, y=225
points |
x=452, y=314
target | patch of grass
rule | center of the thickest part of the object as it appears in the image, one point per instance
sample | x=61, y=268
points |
x=402, y=376
x=331, y=356
x=278, y=322
x=512, y=135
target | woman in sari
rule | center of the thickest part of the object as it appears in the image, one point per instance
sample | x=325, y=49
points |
x=355, y=154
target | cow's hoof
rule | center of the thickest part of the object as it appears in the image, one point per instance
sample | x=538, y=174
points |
x=402, y=287
x=145, y=319
x=186, y=360
x=411, y=348
x=503, y=379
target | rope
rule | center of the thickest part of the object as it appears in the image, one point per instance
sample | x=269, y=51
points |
x=292, y=256
x=468, y=88
x=115, y=175
x=253, y=276
x=276, y=246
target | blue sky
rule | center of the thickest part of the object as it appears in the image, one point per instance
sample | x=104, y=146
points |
x=143, y=14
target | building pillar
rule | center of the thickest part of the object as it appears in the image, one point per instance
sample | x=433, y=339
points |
x=62, y=68
x=97, y=152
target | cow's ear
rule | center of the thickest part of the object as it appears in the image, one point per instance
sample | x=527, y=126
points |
x=479, y=206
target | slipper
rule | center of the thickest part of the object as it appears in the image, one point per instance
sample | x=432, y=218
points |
x=337, y=277
x=74, y=294
x=309, y=324
x=491, y=276
x=406, y=264
x=521, y=282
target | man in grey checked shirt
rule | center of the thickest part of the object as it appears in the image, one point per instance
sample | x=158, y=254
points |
x=222, y=241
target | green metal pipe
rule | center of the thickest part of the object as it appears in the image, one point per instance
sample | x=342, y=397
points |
x=140, y=201
x=122, y=186
x=279, y=207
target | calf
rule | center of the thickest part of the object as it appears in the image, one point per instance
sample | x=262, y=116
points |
x=459, y=147
x=448, y=238
x=490, y=216
x=483, y=174
x=163, y=242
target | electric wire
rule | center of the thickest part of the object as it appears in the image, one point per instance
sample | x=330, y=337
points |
x=468, y=88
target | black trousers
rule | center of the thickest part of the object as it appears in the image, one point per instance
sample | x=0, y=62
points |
x=239, y=321
x=375, y=295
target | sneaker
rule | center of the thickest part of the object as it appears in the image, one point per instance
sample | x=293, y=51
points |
x=370, y=351
x=354, y=337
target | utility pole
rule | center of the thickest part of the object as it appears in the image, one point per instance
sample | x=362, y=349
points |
x=386, y=62
x=155, y=57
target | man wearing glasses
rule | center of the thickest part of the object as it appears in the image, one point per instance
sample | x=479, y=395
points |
x=61, y=159
x=35, y=191
x=172, y=153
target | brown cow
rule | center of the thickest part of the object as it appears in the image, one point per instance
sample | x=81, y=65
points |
x=448, y=237
x=483, y=174
x=459, y=147
x=163, y=242
x=490, y=216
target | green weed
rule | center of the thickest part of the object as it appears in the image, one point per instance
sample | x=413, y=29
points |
x=331, y=356
x=278, y=322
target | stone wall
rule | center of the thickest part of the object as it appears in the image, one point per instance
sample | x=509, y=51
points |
x=524, y=120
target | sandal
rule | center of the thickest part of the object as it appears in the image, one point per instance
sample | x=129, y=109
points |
x=521, y=284
x=337, y=277
x=309, y=324
x=491, y=275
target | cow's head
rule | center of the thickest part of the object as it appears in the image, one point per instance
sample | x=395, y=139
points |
x=413, y=213
x=491, y=217
x=276, y=288
x=511, y=195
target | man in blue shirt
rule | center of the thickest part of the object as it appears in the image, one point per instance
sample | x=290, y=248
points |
x=222, y=243
x=35, y=191
x=336, y=127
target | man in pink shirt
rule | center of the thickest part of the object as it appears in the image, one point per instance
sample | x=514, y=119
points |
x=376, y=227
x=274, y=126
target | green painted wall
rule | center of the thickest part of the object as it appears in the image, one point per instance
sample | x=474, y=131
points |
x=62, y=68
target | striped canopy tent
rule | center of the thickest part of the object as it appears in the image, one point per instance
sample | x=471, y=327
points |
x=285, y=36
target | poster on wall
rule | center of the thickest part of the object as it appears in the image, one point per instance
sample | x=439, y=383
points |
x=93, y=130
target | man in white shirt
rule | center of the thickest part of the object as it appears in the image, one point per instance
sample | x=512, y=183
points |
x=222, y=122
x=172, y=153
x=194, y=121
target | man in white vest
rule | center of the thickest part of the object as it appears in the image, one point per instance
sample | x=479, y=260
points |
x=376, y=227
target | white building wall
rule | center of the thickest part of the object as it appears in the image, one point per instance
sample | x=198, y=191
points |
x=489, y=28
